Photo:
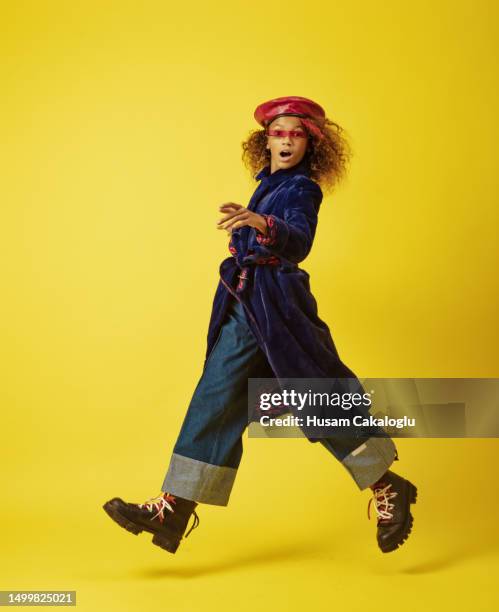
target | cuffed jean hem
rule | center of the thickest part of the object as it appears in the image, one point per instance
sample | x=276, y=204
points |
x=369, y=461
x=199, y=481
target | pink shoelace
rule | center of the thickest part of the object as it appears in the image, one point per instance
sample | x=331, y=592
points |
x=164, y=502
x=160, y=503
x=382, y=504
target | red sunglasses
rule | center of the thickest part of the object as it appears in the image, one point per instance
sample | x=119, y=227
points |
x=290, y=133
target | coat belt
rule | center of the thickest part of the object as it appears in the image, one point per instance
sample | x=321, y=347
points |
x=245, y=270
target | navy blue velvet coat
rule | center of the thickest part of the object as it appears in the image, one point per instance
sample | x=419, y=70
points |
x=263, y=273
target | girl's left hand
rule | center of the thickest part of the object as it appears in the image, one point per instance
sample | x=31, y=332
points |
x=238, y=217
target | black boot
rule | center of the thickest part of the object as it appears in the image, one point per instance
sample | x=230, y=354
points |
x=393, y=496
x=165, y=516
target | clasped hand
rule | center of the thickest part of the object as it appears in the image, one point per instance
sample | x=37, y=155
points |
x=238, y=216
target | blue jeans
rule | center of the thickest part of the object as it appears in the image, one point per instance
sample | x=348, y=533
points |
x=208, y=450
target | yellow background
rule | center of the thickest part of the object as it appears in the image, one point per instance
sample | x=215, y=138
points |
x=121, y=134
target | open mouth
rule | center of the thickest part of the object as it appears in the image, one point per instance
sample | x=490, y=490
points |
x=285, y=154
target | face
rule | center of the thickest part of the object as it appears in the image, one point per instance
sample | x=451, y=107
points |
x=286, y=150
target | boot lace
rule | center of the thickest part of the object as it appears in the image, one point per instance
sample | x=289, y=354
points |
x=382, y=505
x=160, y=503
x=163, y=502
x=194, y=524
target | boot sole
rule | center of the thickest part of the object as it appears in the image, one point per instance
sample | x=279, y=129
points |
x=169, y=543
x=413, y=494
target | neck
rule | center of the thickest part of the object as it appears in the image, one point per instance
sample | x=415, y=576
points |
x=274, y=167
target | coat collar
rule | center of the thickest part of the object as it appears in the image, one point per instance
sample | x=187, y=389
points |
x=284, y=173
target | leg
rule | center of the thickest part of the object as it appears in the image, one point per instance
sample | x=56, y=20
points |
x=366, y=459
x=208, y=450
x=207, y=453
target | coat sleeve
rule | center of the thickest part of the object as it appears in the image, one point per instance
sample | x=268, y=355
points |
x=291, y=237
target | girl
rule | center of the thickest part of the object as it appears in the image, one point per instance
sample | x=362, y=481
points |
x=264, y=324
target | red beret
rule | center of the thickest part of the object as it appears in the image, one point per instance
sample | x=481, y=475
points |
x=266, y=112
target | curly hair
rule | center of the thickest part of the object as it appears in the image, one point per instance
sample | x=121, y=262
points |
x=328, y=156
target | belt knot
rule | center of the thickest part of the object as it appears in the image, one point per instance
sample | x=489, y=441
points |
x=244, y=275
